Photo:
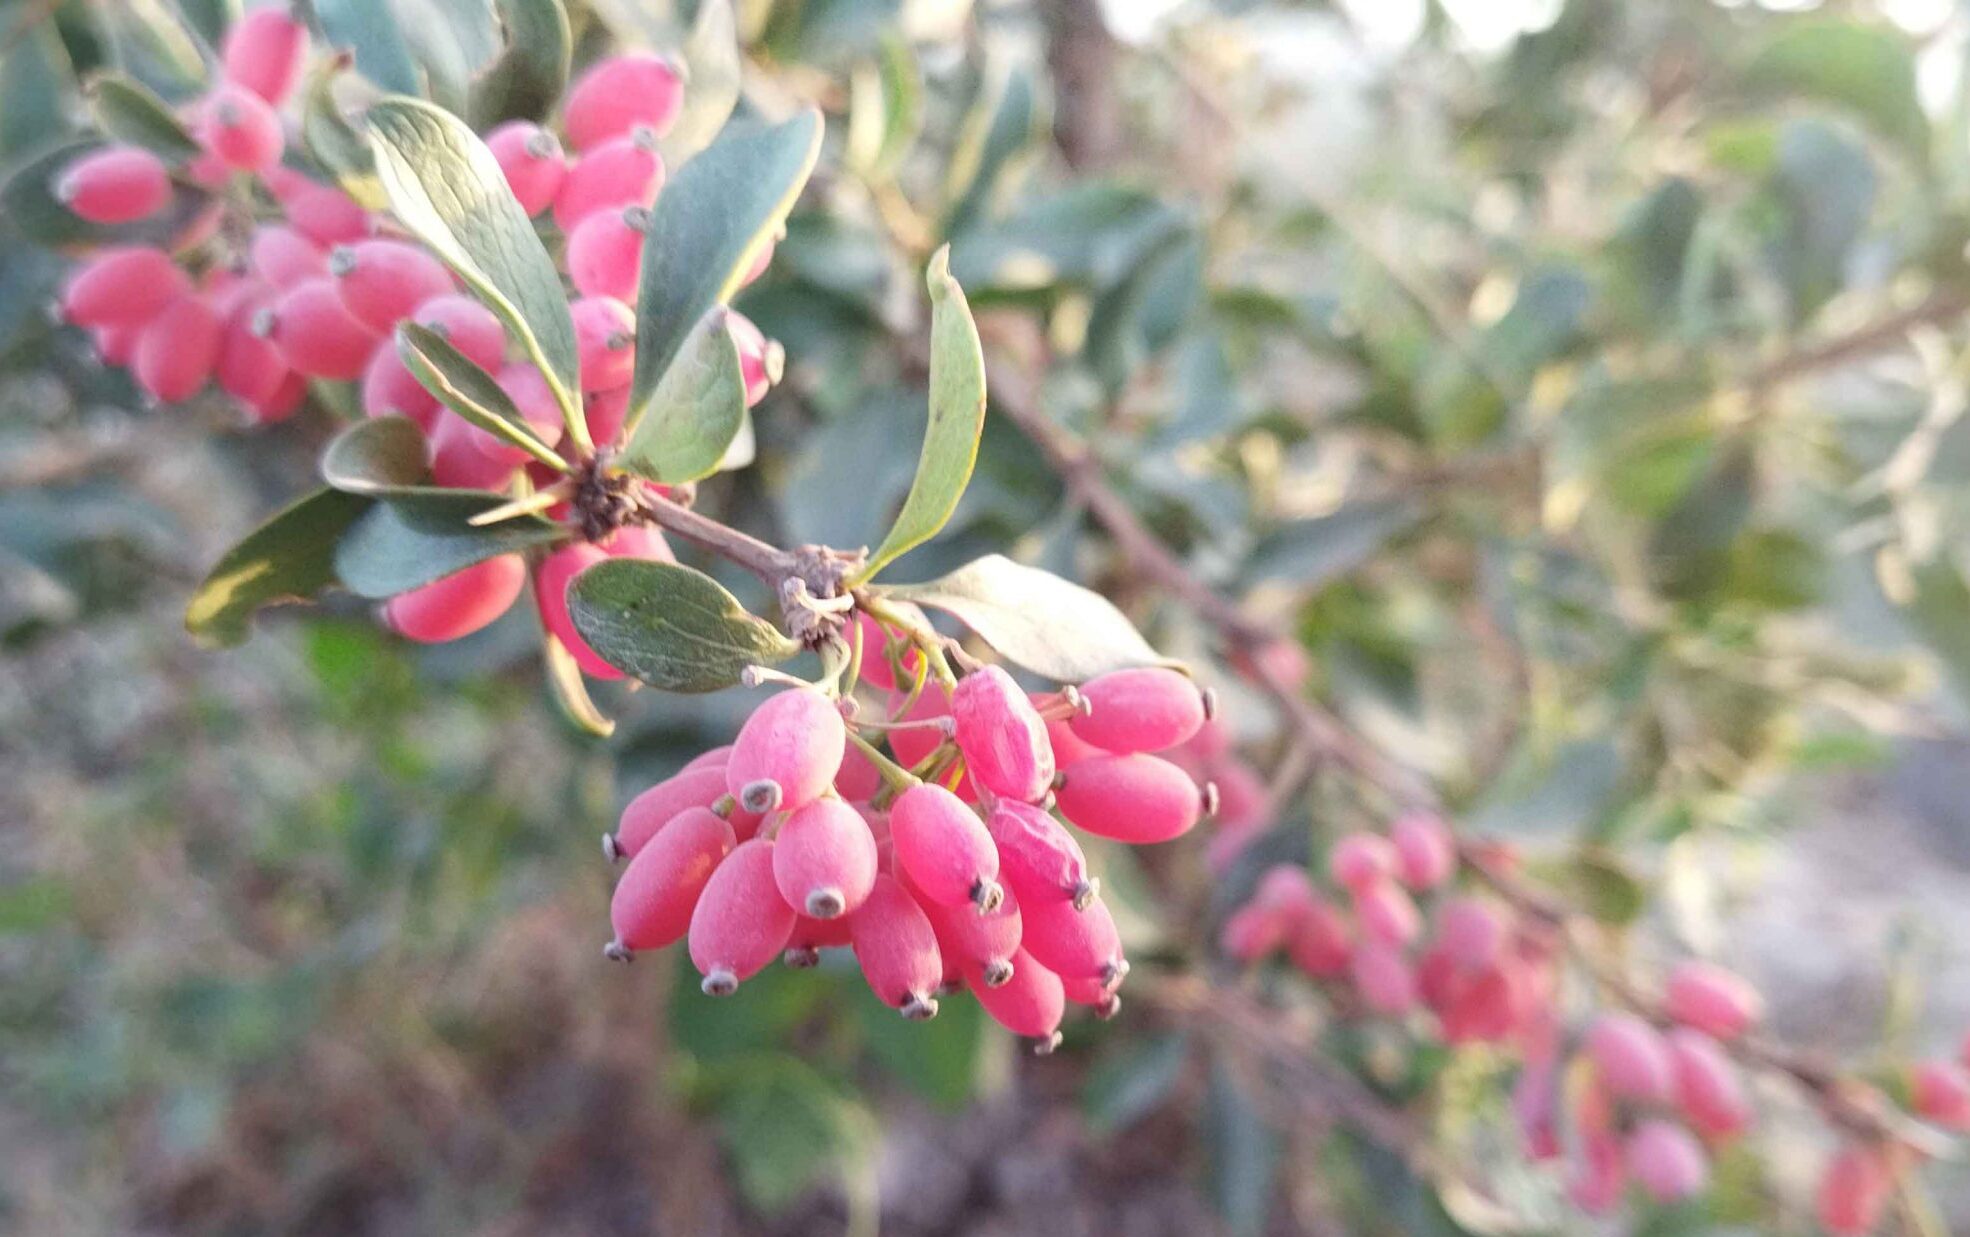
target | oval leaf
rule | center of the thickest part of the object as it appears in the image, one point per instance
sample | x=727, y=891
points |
x=571, y=690
x=697, y=411
x=711, y=60
x=468, y=390
x=369, y=29
x=289, y=558
x=529, y=75
x=445, y=186
x=377, y=455
x=712, y=220
x=957, y=416
x=1035, y=619
x=408, y=540
x=670, y=626
x=130, y=112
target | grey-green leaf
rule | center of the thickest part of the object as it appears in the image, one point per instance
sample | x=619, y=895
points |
x=333, y=142
x=696, y=411
x=1309, y=553
x=289, y=558
x=370, y=30
x=468, y=390
x=712, y=220
x=529, y=75
x=711, y=56
x=957, y=417
x=1035, y=619
x=1869, y=70
x=446, y=188
x=670, y=626
x=131, y=112
x=376, y=456
x=408, y=540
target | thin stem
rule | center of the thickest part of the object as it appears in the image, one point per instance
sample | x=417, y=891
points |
x=769, y=564
x=895, y=778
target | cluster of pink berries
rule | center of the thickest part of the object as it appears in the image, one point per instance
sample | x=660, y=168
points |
x=953, y=874
x=318, y=286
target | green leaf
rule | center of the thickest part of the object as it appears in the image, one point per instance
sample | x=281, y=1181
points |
x=712, y=220
x=468, y=390
x=369, y=29
x=1035, y=619
x=670, y=626
x=787, y=1128
x=333, y=142
x=1003, y=123
x=696, y=412
x=446, y=188
x=1241, y=1155
x=527, y=78
x=711, y=58
x=1869, y=70
x=29, y=206
x=957, y=417
x=289, y=558
x=130, y=112
x=1603, y=887
x=377, y=456
x=37, y=86
x=885, y=108
x=570, y=689
x=1310, y=553
x=408, y=540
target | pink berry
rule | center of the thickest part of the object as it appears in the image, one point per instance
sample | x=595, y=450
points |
x=1383, y=977
x=605, y=342
x=1361, y=859
x=1711, y=999
x=1001, y=735
x=1038, y=859
x=1254, y=931
x=1631, y=1057
x=287, y=397
x=1940, y=1092
x=982, y=943
x=897, y=949
x=1707, y=1087
x=786, y=754
x=1320, y=944
x=1136, y=798
x=249, y=368
x=241, y=129
x=605, y=253
x=1141, y=710
x=315, y=334
x=914, y=744
x=1470, y=931
x=551, y=582
x=620, y=173
x=604, y=412
x=116, y=345
x=740, y=923
x=1853, y=1191
x=460, y=604
x=1030, y=1002
x=825, y=859
x=858, y=779
x=1386, y=913
x=810, y=937
x=530, y=394
x=117, y=184
x=1598, y=1179
x=390, y=389
x=122, y=286
x=284, y=257
x=660, y=888
x=1535, y=1103
x=1666, y=1161
x=465, y=457
x=1074, y=944
x=322, y=213
x=620, y=94
x=654, y=808
x=946, y=849
x=758, y=364
x=877, y=646
x=1243, y=803
x=467, y=325
x=177, y=350
x=532, y=161
x=1068, y=747
x=265, y=51
x=1425, y=853
x=385, y=281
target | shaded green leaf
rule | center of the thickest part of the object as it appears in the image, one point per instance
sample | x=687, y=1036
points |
x=407, y=540
x=714, y=217
x=695, y=413
x=1242, y=1153
x=129, y=111
x=1869, y=70
x=1600, y=884
x=885, y=108
x=468, y=390
x=570, y=689
x=289, y=558
x=370, y=31
x=670, y=626
x=787, y=1129
x=528, y=76
x=333, y=142
x=711, y=57
x=1004, y=122
x=377, y=455
x=1309, y=553
x=957, y=417
x=1035, y=619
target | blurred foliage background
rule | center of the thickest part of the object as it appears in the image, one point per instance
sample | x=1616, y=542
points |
x=1582, y=382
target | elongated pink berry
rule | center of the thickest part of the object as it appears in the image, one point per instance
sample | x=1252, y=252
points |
x=622, y=172
x=116, y=345
x=1535, y=1108
x=1386, y=913
x=551, y=580
x=1631, y=1057
x=741, y=923
x=759, y=360
x=1384, y=978
x=122, y=286
x=177, y=350
x=461, y=603
x=1146, y=709
x=980, y=942
x=533, y=162
x=1030, y=1002
x=897, y=949
x=1711, y=999
x=1708, y=1091
x=1039, y=860
x=605, y=342
x=1003, y=739
x=465, y=457
x=1599, y=1177
x=1939, y=1091
x=265, y=51
x=858, y=779
x=605, y=411
x=315, y=334
x=605, y=253
x=810, y=937
x=1321, y=943
x=530, y=394
x=241, y=129
x=620, y=94
x=1136, y=798
x=1853, y=1191
x=825, y=859
x=1074, y=944
x=117, y=184
x=1470, y=931
x=249, y=368
x=660, y=888
x=786, y=754
x=384, y=281
x=1425, y=853
x=283, y=257
x=654, y=808
x=946, y=849
x=1666, y=1161
x=467, y=325
x=390, y=389
x=1361, y=859
x=322, y=213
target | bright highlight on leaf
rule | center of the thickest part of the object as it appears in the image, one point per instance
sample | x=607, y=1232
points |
x=672, y=627
x=289, y=558
x=468, y=390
